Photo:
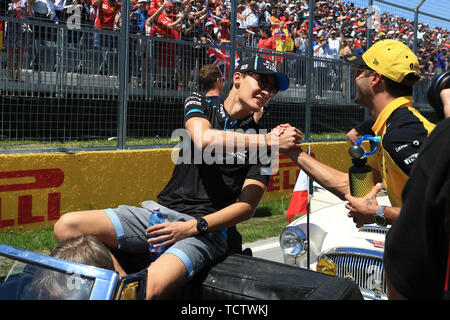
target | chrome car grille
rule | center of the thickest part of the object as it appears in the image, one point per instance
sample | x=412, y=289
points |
x=365, y=267
x=374, y=229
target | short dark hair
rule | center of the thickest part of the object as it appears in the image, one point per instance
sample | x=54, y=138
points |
x=396, y=89
x=265, y=29
x=208, y=75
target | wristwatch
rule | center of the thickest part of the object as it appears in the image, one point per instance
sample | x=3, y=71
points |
x=380, y=219
x=202, y=225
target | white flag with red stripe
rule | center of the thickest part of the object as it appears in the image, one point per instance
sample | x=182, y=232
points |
x=301, y=195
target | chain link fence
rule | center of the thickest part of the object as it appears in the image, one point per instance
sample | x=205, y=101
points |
x=65, y=89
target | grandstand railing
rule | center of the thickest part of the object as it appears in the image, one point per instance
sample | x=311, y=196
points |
x=97, y=101
x=66, y=64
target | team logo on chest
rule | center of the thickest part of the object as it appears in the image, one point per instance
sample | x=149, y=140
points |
x=221, y=111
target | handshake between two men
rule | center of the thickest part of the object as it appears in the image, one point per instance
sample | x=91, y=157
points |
x=289, y=141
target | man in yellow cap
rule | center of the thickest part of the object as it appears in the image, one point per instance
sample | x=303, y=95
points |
x=384, y=75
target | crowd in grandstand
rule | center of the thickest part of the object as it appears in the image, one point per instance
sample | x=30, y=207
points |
x=339, y=26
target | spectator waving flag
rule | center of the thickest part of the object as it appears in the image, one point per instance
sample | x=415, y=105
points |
x=301, y=196
x=222, y=58
x=219, y=54
x=211, y=19
x=279, y=34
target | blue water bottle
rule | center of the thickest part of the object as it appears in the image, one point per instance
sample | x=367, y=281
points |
x=156, y=218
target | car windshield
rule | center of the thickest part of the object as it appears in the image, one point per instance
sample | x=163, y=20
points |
x=22, y=281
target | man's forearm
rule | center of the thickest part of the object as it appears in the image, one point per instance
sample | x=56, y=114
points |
x=229, y=216
x=331, y=179
x=232, y=141
x=391, y=213
x=228, y=140
x=251, y=194
x=279, y=139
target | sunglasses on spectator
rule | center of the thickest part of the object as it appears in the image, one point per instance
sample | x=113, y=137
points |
x=264, y=83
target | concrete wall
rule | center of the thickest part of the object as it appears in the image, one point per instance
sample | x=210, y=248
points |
x=35, y=189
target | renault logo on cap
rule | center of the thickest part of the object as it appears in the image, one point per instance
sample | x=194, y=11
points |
x=376, y=62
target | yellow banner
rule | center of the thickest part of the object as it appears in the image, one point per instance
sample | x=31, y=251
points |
x=36, y=189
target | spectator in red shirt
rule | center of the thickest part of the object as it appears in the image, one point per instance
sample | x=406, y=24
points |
x=266, y=41
x=169, y=26
x=1, y=34
x=151, y=24
x=152, y=29
x=224, y=31
x=107, y=12
x=155, y=4
x=169, y=29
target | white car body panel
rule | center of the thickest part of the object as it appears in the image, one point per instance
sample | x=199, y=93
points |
x=330, y=228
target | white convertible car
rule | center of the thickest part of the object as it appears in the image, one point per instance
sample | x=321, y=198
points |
x=333, y=245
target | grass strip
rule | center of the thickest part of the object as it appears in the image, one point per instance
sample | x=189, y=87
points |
x=39, y=240
x=54, y=143
x=261, y=228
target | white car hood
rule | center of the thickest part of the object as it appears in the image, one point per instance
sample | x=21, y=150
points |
x=331, y=228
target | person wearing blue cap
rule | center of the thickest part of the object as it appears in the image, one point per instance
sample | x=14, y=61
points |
x=203, y=200
x=265, y=69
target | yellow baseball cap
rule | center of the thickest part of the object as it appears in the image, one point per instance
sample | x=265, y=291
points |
x=393, y=59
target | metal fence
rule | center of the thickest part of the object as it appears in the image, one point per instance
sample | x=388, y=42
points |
x=60, y=91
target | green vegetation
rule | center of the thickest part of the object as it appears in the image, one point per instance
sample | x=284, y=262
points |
x=268, y=221
x=78, y=143
x=40, y=240
x=26, y=144
x=262, y=228
x=323, y=136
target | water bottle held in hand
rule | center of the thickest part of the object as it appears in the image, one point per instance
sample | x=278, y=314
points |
x=156, y=218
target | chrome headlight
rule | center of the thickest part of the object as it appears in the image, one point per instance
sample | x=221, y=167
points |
x=293, y=241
